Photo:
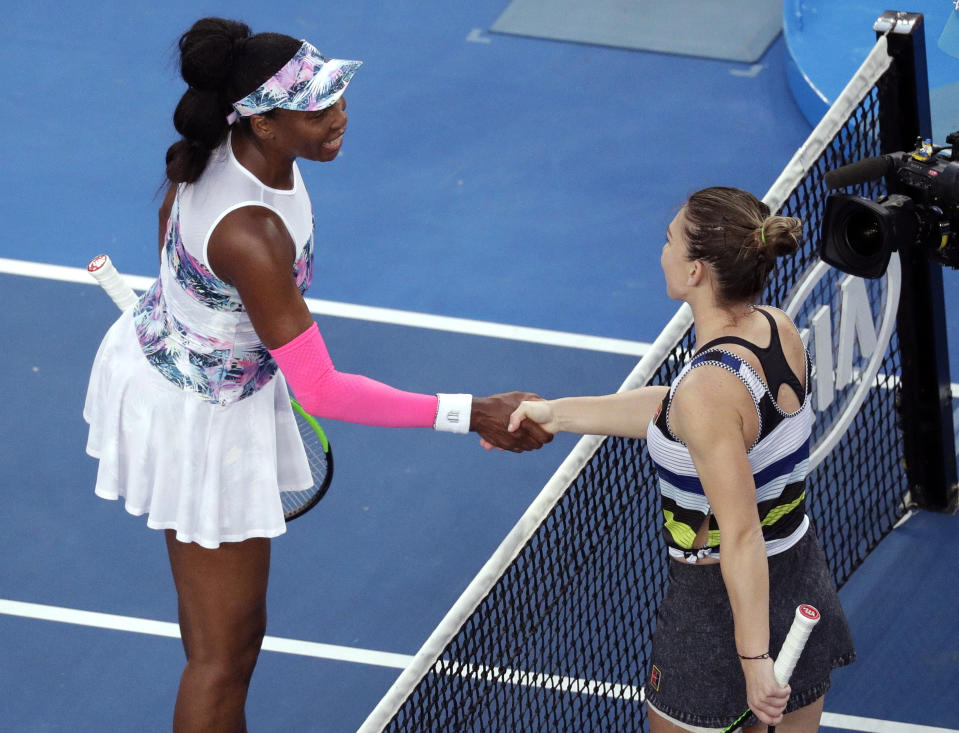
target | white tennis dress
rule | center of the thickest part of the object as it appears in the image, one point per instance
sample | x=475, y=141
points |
x=189, y=417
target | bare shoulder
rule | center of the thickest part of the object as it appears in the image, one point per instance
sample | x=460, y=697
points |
x=252, y=250
x=711, y=386
x=709, y=396
x=250, y=238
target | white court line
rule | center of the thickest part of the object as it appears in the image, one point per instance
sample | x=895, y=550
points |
x=334, y=652
x=168, y=629
x=371, y=313
x=853, y=722
x=507, y=676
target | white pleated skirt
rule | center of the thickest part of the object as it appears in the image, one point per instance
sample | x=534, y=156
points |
x=211, y=472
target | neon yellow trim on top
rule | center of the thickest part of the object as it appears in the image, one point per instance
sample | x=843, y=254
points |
x=682, y=534
x=780, y=511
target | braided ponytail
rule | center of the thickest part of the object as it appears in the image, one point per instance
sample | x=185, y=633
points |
x=206, y=61
x=221, y=62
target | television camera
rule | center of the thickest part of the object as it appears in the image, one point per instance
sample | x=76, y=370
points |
x=921, y=211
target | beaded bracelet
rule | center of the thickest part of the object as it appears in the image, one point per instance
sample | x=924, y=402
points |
x=761, y=656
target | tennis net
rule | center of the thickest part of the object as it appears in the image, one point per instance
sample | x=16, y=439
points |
x=554, y=632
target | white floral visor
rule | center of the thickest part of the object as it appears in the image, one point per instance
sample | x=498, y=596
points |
x=307, y=82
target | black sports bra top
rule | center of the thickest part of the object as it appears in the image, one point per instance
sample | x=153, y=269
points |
x=772, y=359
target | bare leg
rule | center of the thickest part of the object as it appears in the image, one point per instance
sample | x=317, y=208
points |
x=222, y=609
x=658, y=724
x=804, y=720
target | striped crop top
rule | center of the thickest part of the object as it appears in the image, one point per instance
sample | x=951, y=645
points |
x=779, y=458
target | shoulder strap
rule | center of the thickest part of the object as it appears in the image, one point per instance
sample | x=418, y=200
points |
x=772, y=359
x=759, y=351
x=732, y=363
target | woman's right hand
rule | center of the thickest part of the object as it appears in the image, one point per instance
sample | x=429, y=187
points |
x=539, y=411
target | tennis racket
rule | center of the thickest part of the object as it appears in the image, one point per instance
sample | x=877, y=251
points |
x=318, y=451
x=806, y=617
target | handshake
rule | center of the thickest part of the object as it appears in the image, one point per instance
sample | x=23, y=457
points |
x=502, y=423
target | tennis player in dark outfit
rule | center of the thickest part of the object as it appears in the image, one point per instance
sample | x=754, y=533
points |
x=730, y=439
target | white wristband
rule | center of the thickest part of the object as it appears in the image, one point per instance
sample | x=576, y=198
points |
x=453, y=413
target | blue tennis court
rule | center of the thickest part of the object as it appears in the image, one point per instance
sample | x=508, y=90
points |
x=494, y=222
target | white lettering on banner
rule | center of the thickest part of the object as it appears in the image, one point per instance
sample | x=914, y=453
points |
x=855, y=321
x=823, y=370
x=837, y=373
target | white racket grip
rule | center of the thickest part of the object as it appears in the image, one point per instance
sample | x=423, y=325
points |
x=103, y=271
x=806, y=617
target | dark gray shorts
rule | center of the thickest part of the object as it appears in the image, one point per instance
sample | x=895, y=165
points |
x=695, y=674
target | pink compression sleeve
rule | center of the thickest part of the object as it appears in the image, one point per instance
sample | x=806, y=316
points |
x=325, y=392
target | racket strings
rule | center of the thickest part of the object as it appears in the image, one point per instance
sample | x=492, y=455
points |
x=298, y=501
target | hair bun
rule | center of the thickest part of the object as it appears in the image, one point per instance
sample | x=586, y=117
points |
x=781, y=235
x=207, y=51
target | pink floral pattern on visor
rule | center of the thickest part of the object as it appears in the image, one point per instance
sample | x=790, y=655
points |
x=306, y=83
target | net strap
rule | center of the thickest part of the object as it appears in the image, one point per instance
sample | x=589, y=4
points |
x=875, y=65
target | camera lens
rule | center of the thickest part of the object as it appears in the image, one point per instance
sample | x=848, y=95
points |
x=863, y=234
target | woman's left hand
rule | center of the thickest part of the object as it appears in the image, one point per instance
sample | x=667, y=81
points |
x=766, y=698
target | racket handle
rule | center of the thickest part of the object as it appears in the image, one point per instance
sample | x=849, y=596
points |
x=806, y=617
x=103, y=271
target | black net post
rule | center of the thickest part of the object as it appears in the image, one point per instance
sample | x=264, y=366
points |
x=925, y=396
